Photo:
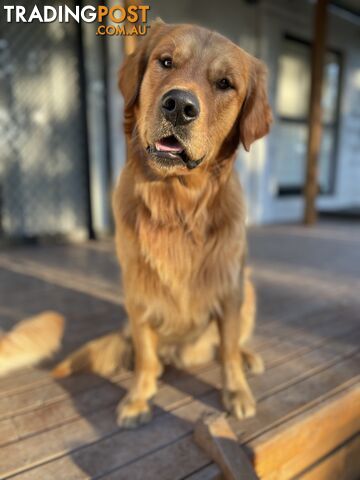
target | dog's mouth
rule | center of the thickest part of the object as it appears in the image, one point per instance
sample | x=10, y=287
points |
x=169, y=152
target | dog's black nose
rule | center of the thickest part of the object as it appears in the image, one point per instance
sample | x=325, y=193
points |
x=180, y=107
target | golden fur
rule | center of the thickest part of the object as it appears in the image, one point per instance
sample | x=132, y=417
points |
x=31, y=341
x=180, y=232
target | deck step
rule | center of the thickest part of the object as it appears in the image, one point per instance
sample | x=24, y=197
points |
x=322, y=443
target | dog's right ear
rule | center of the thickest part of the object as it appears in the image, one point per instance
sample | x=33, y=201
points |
x=256, y=116
x=133, y=69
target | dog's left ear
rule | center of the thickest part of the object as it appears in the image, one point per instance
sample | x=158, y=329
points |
x=255, y=117
x=133, y=69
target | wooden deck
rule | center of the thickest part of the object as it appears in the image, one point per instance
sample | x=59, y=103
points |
x=308, y=400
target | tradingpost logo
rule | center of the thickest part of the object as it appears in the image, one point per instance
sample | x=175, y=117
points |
x=111, y=20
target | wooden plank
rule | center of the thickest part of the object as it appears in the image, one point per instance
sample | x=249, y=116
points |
x=323, y=324
x=171, y=452
x=214, y=435
x=210, y=472
x=161, y=464
x=27, y=382
x=270, y=411
x=77, y=332
x=342, y=463
x=104, y=394
x=42, y=395
x=122, y=447
x=273, y=352
x=308, y=282
x=23, y=384
x=101, y=394
x=32, y=270
x=38, y=295
x=265, y=336
x=326, y=231
x=48, y=391
x=29, y=379
x=69, y=260
x=49, y=413
x=311, y=363
x=99, y=427
x=287, y=450
x=26, y=379
x=297, y=397
x=290, y=325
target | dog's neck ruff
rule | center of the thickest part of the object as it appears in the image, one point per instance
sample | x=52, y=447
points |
x=180, y=200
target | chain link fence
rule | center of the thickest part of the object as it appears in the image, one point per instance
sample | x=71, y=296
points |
x=43, y=169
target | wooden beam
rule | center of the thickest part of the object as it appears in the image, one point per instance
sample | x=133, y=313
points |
x=214, y=434
x=310, y=441
x=315, y=114
x=344, y=463
x=300, y=442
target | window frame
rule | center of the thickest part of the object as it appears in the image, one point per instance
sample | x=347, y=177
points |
x=297, y=190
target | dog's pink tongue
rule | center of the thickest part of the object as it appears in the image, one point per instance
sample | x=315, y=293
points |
x=168, y=146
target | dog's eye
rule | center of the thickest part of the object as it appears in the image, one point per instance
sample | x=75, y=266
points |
x=166, y=62
x=223, y=84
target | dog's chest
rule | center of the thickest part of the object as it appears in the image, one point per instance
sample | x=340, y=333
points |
x=173, y=253
x=191, y=253
x=193, y=269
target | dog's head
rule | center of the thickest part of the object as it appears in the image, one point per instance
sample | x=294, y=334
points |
x=191, y=96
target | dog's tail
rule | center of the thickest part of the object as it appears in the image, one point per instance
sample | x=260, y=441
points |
x=103, y=356
x=31, y=341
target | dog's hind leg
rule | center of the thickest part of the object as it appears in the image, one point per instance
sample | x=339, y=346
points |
x=205, y=348
x=202, y=351
x=253, y=361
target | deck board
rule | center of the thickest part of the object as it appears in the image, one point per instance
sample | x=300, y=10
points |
x=57, y=410
x=343, y=462
x=308, y=333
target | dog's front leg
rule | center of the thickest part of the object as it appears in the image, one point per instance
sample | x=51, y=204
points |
x=135, y=409
x=237, y=396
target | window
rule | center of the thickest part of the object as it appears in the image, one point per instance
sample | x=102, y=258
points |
x=294, y=79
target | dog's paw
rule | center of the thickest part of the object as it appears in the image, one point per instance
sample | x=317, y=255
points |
x=133, y=413
x=241, y=403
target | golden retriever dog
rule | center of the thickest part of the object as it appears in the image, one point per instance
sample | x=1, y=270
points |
x=191, y=97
